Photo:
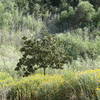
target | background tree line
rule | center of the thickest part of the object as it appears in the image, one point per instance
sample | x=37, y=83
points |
x=57, y=15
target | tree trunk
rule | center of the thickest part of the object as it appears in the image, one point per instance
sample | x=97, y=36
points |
x=44, y=69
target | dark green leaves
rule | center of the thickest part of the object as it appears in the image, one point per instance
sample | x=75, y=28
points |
x=43, y=52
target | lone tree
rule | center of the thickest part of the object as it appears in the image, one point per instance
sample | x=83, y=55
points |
x=42, y=52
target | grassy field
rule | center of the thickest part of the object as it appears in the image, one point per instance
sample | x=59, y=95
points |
x=71, y=85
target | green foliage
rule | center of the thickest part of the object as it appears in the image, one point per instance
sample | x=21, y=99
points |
x=73, y=46
x=1, y=11
x=81, y=48
x=96, y=3
x=73, y=3
x=15, y=13
x=85, y=12
x=77, y=47
x=97, y=17
x=5, y=79
x=45, y=51
x=13, y=19
x=35, y=87
x=78, y=85
x=5, y=76
x=9, y=56
x=64, y=15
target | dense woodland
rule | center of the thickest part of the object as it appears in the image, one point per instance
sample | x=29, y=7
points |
x=57, y=15
x=49, y=49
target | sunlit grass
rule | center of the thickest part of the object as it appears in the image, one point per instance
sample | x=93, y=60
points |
x=70, y=83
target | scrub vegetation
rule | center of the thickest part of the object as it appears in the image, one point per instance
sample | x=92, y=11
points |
x=49, y=49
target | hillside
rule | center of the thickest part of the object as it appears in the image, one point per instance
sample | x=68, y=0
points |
x=49, y=49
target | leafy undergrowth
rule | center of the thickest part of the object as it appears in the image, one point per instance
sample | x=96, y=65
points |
x=69, y=86
x=9, y=56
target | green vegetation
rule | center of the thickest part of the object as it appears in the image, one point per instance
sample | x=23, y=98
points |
x=49, y=49
x=45, y=51
x=68, y=85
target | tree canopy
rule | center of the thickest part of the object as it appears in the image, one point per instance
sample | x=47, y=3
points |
x=42, y=52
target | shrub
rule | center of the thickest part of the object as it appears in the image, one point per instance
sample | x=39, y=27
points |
x=77, y=47
x=74, y=45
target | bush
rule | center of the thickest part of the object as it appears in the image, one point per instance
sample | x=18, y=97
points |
x=74, y=45
x=77, y=47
